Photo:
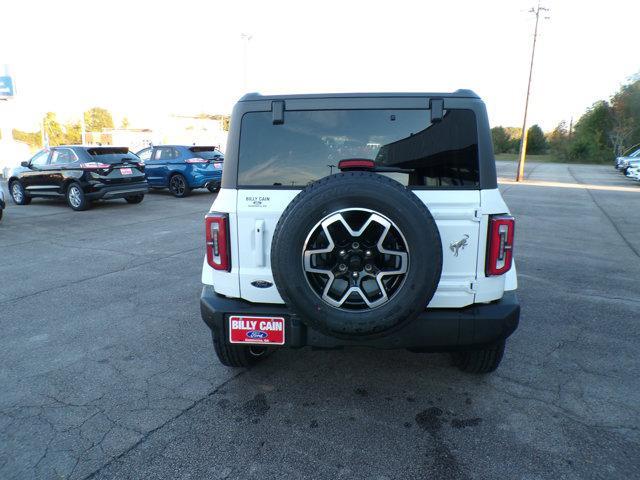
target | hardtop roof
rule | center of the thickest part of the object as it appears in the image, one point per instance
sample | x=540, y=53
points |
x=460, y=93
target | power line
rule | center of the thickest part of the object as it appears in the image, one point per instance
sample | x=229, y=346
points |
x=523, y=138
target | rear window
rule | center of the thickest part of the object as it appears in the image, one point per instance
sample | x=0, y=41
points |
x=112, y=155
x=208, y=153
x=309, y=145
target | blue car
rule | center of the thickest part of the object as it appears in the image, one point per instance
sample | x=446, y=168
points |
x=181, y=168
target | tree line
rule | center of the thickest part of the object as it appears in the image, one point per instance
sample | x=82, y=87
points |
x=607, y=129
x=55, y=133
x=96, y=120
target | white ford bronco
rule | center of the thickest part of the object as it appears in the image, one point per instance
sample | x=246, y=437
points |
x=360, y=220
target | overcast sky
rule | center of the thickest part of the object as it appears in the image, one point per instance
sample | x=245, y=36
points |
x=145, y=59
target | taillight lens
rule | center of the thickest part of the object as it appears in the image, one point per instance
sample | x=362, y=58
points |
x=94, y=165
x=217, y=234
x=500, y=244
x=196, y=160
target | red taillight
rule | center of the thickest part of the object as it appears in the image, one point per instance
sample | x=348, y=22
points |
x=356, y=164
x=217, y=234
x=94, y=165
x=196, y=160
x=500, y=244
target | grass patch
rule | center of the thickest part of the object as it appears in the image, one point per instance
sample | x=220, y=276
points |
x=547, y=158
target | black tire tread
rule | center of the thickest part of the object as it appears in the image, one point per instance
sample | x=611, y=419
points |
x=233, y=355
x=85, y=203
x=134, y=198
x=343, y=182
x=483, y=360
x=187, y=188
x=26, y=200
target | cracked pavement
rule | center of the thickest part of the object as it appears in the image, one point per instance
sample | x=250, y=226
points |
x=107, y=370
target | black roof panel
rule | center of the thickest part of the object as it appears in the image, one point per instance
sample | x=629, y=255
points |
x=460, y=93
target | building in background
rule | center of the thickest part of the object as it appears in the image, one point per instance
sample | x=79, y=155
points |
x=174, y=129
x=134, y=138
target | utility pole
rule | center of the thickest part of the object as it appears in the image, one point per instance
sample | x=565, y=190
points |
x=245, y=54
x=570, y=127
x=523, y=139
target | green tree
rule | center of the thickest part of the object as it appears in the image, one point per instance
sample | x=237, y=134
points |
x=53, y=130
x=536, y=142
x=97, y=119
x=592, y=141
x=125, y=122
x=558, y=141
x=625, y=106
x=33, y=139
x=501, y=140
x=73, y=133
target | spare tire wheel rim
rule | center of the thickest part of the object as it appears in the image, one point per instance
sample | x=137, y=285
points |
x=355, y=259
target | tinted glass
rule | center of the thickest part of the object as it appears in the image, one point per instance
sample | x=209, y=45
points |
x=62, y=157
x=166, y=153
x=144, y=154
x=114, y=158
x=40, y=158
x=309, y=145
x=210, y=155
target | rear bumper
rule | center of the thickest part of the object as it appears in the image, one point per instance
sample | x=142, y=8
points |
x=204, y=179
x=118, y=191
x=434, y=329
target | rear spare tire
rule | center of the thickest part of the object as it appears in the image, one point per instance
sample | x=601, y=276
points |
x=356, y=254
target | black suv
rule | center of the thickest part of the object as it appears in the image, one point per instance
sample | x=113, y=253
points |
x=80, y=174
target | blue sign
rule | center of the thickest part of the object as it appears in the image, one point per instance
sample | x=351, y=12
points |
x=6, y=87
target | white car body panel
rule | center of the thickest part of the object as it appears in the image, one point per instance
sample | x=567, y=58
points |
x=461, y=217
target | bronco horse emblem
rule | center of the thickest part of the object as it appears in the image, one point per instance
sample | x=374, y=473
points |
x=455, y=247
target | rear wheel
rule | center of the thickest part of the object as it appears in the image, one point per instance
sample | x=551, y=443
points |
x=178, y=186
x=237, y=355
x=18, y=195
x=483, y=360
x=134, y=198
x=76, y=198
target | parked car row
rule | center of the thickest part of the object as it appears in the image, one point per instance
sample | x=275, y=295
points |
x=181, y=169
x=83, y=174
x=630, y=164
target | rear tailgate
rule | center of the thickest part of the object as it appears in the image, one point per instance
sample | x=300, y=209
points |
x=115, y=165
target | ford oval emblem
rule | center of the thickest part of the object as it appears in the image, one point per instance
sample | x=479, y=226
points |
x=261, y=284
x=257, y=334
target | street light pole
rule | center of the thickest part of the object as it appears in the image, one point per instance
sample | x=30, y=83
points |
x=523, y=138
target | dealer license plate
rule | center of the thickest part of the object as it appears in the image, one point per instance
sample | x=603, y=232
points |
x=256, y=330
x=126, y=171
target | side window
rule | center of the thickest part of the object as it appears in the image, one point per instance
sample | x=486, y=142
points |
x=62, y=157
x=145, y=154
x=40, y=159
x=175, y=153
x=165, y=153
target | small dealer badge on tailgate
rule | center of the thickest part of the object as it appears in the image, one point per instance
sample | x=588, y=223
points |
x=256, y=330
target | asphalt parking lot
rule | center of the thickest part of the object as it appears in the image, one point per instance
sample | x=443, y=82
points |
x=107, y=370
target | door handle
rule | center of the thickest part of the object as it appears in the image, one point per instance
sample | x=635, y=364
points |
x=258, y=235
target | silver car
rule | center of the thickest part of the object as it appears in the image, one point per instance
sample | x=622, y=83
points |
x=623, y=162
